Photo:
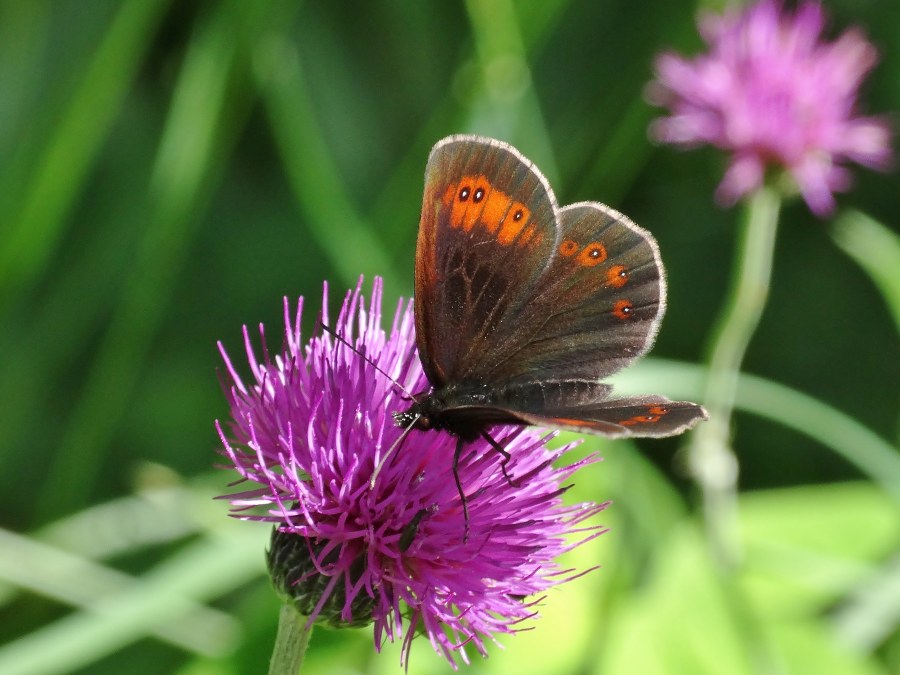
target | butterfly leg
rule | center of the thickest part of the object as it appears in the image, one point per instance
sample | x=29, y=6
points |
x=503, y=453
x=459, y=488
x=410, y=531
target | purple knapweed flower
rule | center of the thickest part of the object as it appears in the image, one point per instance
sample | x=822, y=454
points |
x=309, y=431
x=774, y=93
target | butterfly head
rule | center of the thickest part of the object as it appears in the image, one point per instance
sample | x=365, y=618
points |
x=423, y=414
x=411, y=418
x=438, y=410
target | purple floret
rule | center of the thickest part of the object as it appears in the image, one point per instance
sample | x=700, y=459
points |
x=309, y=431
x=775, y=94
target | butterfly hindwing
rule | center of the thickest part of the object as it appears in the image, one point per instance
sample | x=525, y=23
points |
x=640, y=416
x=595, y=309
x=488, y=229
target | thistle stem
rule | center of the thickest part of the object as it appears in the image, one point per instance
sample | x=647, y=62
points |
x=291, y=642
x=711, y=458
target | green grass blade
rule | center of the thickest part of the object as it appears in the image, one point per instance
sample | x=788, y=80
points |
x=202, y=125
x=876, y=249
x=199, y=572
x=37, y=225
x=838, y=432
x=78, y=582
x=314, y=177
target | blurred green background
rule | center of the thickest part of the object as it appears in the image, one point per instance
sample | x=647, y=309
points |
x=170, y=170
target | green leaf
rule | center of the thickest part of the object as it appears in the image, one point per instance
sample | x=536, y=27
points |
x=807, y=647
x=679, y=622
x=807, y=547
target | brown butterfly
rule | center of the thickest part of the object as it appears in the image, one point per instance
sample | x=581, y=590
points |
x=522, y=307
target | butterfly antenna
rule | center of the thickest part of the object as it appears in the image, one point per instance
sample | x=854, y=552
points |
x=391, y=451
x=342, y=340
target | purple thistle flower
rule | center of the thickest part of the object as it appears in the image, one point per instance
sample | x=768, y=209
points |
x=774, y=93
x=309, y=432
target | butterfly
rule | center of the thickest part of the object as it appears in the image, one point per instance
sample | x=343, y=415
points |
x=523, y=307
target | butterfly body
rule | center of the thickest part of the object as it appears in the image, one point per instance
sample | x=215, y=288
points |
x=464, y=411
x=522, y=307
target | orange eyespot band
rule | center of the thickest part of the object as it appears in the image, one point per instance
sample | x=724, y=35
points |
x=473, y=201
x=617, y=276
x=623, y=309
x=592, y=254
x=568, y=248
x=654, y=414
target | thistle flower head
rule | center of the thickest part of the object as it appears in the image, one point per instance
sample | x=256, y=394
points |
x=308, y=432
x=774, y=93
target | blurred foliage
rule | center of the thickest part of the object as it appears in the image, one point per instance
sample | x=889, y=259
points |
x=170, y=170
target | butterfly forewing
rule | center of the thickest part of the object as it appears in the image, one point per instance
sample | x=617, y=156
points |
x=488, y=230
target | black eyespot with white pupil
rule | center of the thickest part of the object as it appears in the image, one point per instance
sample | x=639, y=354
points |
x=464, y=193
x=594, y=253
x=479, y=195
x=517, y=216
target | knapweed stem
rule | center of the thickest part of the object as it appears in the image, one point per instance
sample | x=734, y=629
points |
x=291, y=642
x=712, y=461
